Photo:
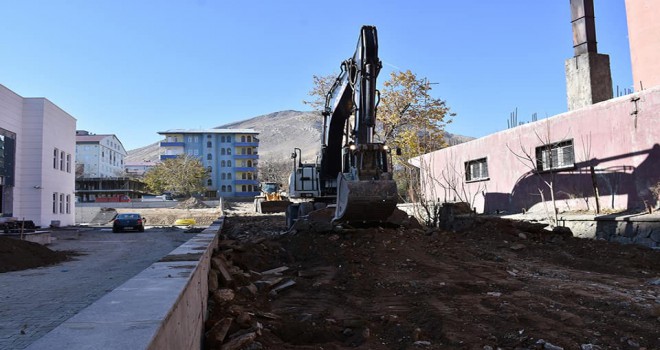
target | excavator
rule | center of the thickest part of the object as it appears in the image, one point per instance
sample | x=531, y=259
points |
x=353, y=171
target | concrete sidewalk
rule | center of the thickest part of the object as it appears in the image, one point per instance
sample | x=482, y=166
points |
x=35, y=301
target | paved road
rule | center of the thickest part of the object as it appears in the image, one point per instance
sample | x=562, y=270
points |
x=33, y=302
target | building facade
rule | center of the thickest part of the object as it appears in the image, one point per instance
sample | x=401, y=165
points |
x=230, y=155
x=99, y=155
x=600, y=156
x=37, y=164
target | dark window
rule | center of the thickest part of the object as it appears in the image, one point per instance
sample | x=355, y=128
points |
x=209, y=156
x=229, y=188
x=222, y=151
x=209, y=182
x=229, y=151
x=476, y=170
x=223, y=164
x=208, y=144
x=229, y=163
x=555, y=156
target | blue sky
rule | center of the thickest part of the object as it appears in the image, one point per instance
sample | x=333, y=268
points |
x=135, y=67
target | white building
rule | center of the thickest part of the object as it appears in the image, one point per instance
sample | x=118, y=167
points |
x=139, y=168
x=99, y=155
x=37, y=144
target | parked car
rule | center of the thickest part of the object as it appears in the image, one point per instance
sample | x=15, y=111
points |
x=128, y=221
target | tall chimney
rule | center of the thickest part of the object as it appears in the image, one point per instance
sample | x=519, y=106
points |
x=588, y=77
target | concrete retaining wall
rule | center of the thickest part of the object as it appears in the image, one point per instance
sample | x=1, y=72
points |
x=163, y=307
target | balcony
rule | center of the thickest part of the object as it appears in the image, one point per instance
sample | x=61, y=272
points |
x=246, y=156
x=246, y=182
x=246, y=144
x=171, y=144
x=245, y=169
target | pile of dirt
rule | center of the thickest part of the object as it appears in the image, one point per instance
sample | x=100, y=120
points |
x=191, y=203
x=500, y=284
x=16, y=255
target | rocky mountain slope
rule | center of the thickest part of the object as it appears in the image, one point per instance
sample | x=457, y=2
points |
x=280, y=133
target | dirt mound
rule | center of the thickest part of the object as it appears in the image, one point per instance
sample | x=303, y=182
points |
x=191, y=203
x=500, y=284
x=16, y=255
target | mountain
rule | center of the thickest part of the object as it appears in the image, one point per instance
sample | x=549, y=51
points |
x=279, y=134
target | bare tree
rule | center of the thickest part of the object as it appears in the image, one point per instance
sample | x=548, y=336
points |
x=275, y=170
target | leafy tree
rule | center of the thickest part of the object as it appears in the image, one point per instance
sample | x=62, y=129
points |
x=182, y=175
x=272, y=170
x=408, y=118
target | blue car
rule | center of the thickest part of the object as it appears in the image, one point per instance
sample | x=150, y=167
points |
x=128, y=221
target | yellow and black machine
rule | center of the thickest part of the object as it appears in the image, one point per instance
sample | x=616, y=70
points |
x=353, y=172
x=271, y=199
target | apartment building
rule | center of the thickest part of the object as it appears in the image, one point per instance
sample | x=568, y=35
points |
x=37, y=173
x=230, y=155
x=99, y=155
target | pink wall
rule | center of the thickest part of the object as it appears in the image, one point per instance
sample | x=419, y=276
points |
x=643, y=34
x=624, y=149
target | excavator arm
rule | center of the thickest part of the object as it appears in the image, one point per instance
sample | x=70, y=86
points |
x=350, y=159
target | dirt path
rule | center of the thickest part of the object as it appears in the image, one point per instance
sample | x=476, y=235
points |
x=500, y=284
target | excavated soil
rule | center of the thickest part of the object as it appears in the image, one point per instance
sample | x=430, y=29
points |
x=16, y=255
x=500, y=284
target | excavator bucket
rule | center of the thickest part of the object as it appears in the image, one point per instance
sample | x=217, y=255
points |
x=364, y=201
x=265, y=206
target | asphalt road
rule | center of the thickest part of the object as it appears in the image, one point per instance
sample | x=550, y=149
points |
x=33, y=302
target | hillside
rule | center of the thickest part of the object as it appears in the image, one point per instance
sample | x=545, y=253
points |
x=280, y=133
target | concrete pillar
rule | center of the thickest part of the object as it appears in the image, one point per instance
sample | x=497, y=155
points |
x=588, y=80
x=588, y=76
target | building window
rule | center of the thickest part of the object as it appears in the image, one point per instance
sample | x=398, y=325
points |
x=249, y=164
x=223, y=176
x=56, y=153
x=223, y=188
x=229, y=188
x=209, y=156
x=229, y=163
x=223, y=164
x=229, y=140
x=55, y=202
x=209, y=169
x=243, y=138
x=196, y=139
x=555, y=156
x=62, y=160
x=209, y=182
x=68, y=204
x=229, y=151
x=249, y=150
x=476, y=170
x=222, y=139
x=243, y=188
x=222, y=151
x=208, y=144
x=61, y=203
x=196, y=152
x=189, y=139
x=68, y=163
x=229, y=176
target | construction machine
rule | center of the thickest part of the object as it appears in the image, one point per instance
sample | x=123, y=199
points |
x=353, y=171
x=271, y=199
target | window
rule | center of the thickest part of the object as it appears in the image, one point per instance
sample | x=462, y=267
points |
x=229, y=176
x=249, y=138
x=196, y=152
x=208, y=144
x=249, y=163
x=229, y=140
x=229, y=188
x=209, y=156
x=222, y=151
x=61, y=203
x=209, y=182
x=249, y=176
x=223, y=188
x=555, y=156
x=56, y=152
x=244, y=188
x=249, y=150
x=68, y=204
x=229, y=151
x=223, y=176
x=209, y=169
x=62, y=157
x=476, y=170
x=243, y=138
x=223, y=164
x=196, y=139
x=222, y=139
x=55, y=202
x=189, y=138
x=244, y=176
x=229, y=163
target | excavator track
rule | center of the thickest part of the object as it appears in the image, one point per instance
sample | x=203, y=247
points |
x=364, y=201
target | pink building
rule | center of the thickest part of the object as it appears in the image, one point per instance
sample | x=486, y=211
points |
x=507, y=171
x=612, y=146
